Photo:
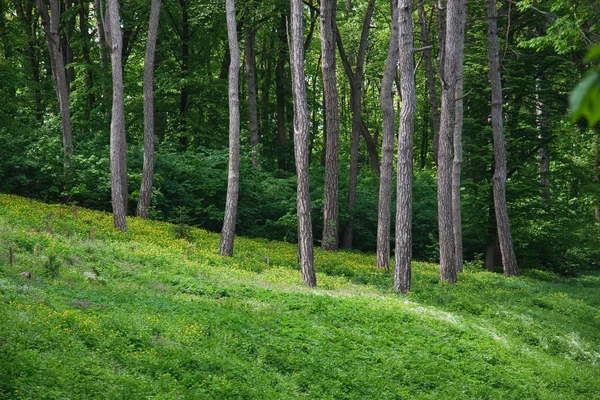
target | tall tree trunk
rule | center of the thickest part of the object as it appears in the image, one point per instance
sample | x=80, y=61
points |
x=541, y=114
x=387, y=146
x=402, y=270
x=51, y=24
x=84, y=32
x=457, y=138
x=441, y=20
x=143, y=208
x=449, y=77
x=301, y=132
x=509, y=261
x=233, y=180
x=67, y=40
x=597, y=166
x=330, y=206
x=118, y=145
x=280, y=93
x=101, y=32
x=356, y=82
x=185, y=53
x=431, y=92
x=250, y=62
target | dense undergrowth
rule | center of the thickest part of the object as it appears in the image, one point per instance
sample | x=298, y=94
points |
x=146, y=315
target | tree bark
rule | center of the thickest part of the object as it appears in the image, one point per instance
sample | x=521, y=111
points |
x=509, y=261
x=597, y=166
x=185, y=54
x=441, y=19
x=101, y=32
x=118, y=145
x=228, y=232
x=459, y=42
x=280, y=93
x=356, y=82
x=387, y=146
x=402, y=270
x=543, y=153
x=431, y=91
x=51, y=23
x=330, y=206
x=69, y=27
x=143, y=209
x=84, y=31
x=301, y=133
x=250, y=62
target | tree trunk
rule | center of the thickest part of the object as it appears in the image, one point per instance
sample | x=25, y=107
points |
x=52, y=30
x=509, y=261
x=250, y=61
x=101, y=32
x=441, y=19
x=84, y=31
x=597, y=166
x=301, y=132
x=402, y=270
x=143, y=209
x=459, y=42
x=118, y=145
x=280, y=94
x=228, y=232
x=387, y=146
x=431, y=92
x=185, y=53
x=356, y=82
x=330, y=205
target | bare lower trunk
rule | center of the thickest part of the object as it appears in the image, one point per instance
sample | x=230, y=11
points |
x=118, y=145
x=228, y=232
x=301, y=133
x=431, y=92
x=402, y=270
x=509, y=261
x=387, y=145
x=457, y=140
x=51, y=24
x=250, y=62
x=280, y=94
x=143, y=208
x=330, y=205
x=441, y=19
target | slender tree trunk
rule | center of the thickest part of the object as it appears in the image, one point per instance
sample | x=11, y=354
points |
x=543, y=153
x=457, y=138
x=451, y=60
x=509, y=261
x=330, y=206
x=431, y=92
x=69, y=28
x=84, y=32
x=356, y=82
x=185, y=54
x=233, y=180
x=597, y=166
x=250, y=61
x=387, y=146
x=118, y=145
x=441, y=19
x=101, y=32
x=402, y=270
x=280, y=93
x=301, y=132
x=143, y=209
x=52, y=30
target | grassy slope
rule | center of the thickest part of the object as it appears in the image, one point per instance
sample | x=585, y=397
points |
x=142, y=315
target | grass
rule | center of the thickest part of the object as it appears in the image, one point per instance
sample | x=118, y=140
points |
x=143, y=315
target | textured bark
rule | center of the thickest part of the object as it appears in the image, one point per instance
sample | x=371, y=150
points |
x=118, y=146
x=301, y=132
x=250, y=62
x=330, y=205
x=356, y=82
x=597, y=166
x=233, y=179
x=459, y=42
x=441, y=19
x=280, y=93
x=101, y=32
x=402, y=270
x=431, y=92
x=387, y=146
x=69, y=28
x=509, y=261
x=51, y=23
x=451, y=60
x=143, y=208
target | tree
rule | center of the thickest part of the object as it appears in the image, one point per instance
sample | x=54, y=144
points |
x=449, y=78
x=301, y=131
x=330, y=205
x=250, y=62
x=402, y=270
x=51, y=24
x=145, y=199
x=509, y=261
x=118, y=145
x=233, y=180
x=387, y=145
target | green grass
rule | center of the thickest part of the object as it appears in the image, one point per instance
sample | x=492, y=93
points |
x=142, y=315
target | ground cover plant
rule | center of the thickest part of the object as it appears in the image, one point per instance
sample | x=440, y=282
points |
x=145, y=314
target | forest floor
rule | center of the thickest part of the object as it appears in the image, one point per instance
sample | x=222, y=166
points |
x=143, y=314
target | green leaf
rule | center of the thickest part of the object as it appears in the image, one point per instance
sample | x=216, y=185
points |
x=593, y=53
x=585, y=99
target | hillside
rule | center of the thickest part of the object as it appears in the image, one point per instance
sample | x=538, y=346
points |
x=146, y=315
